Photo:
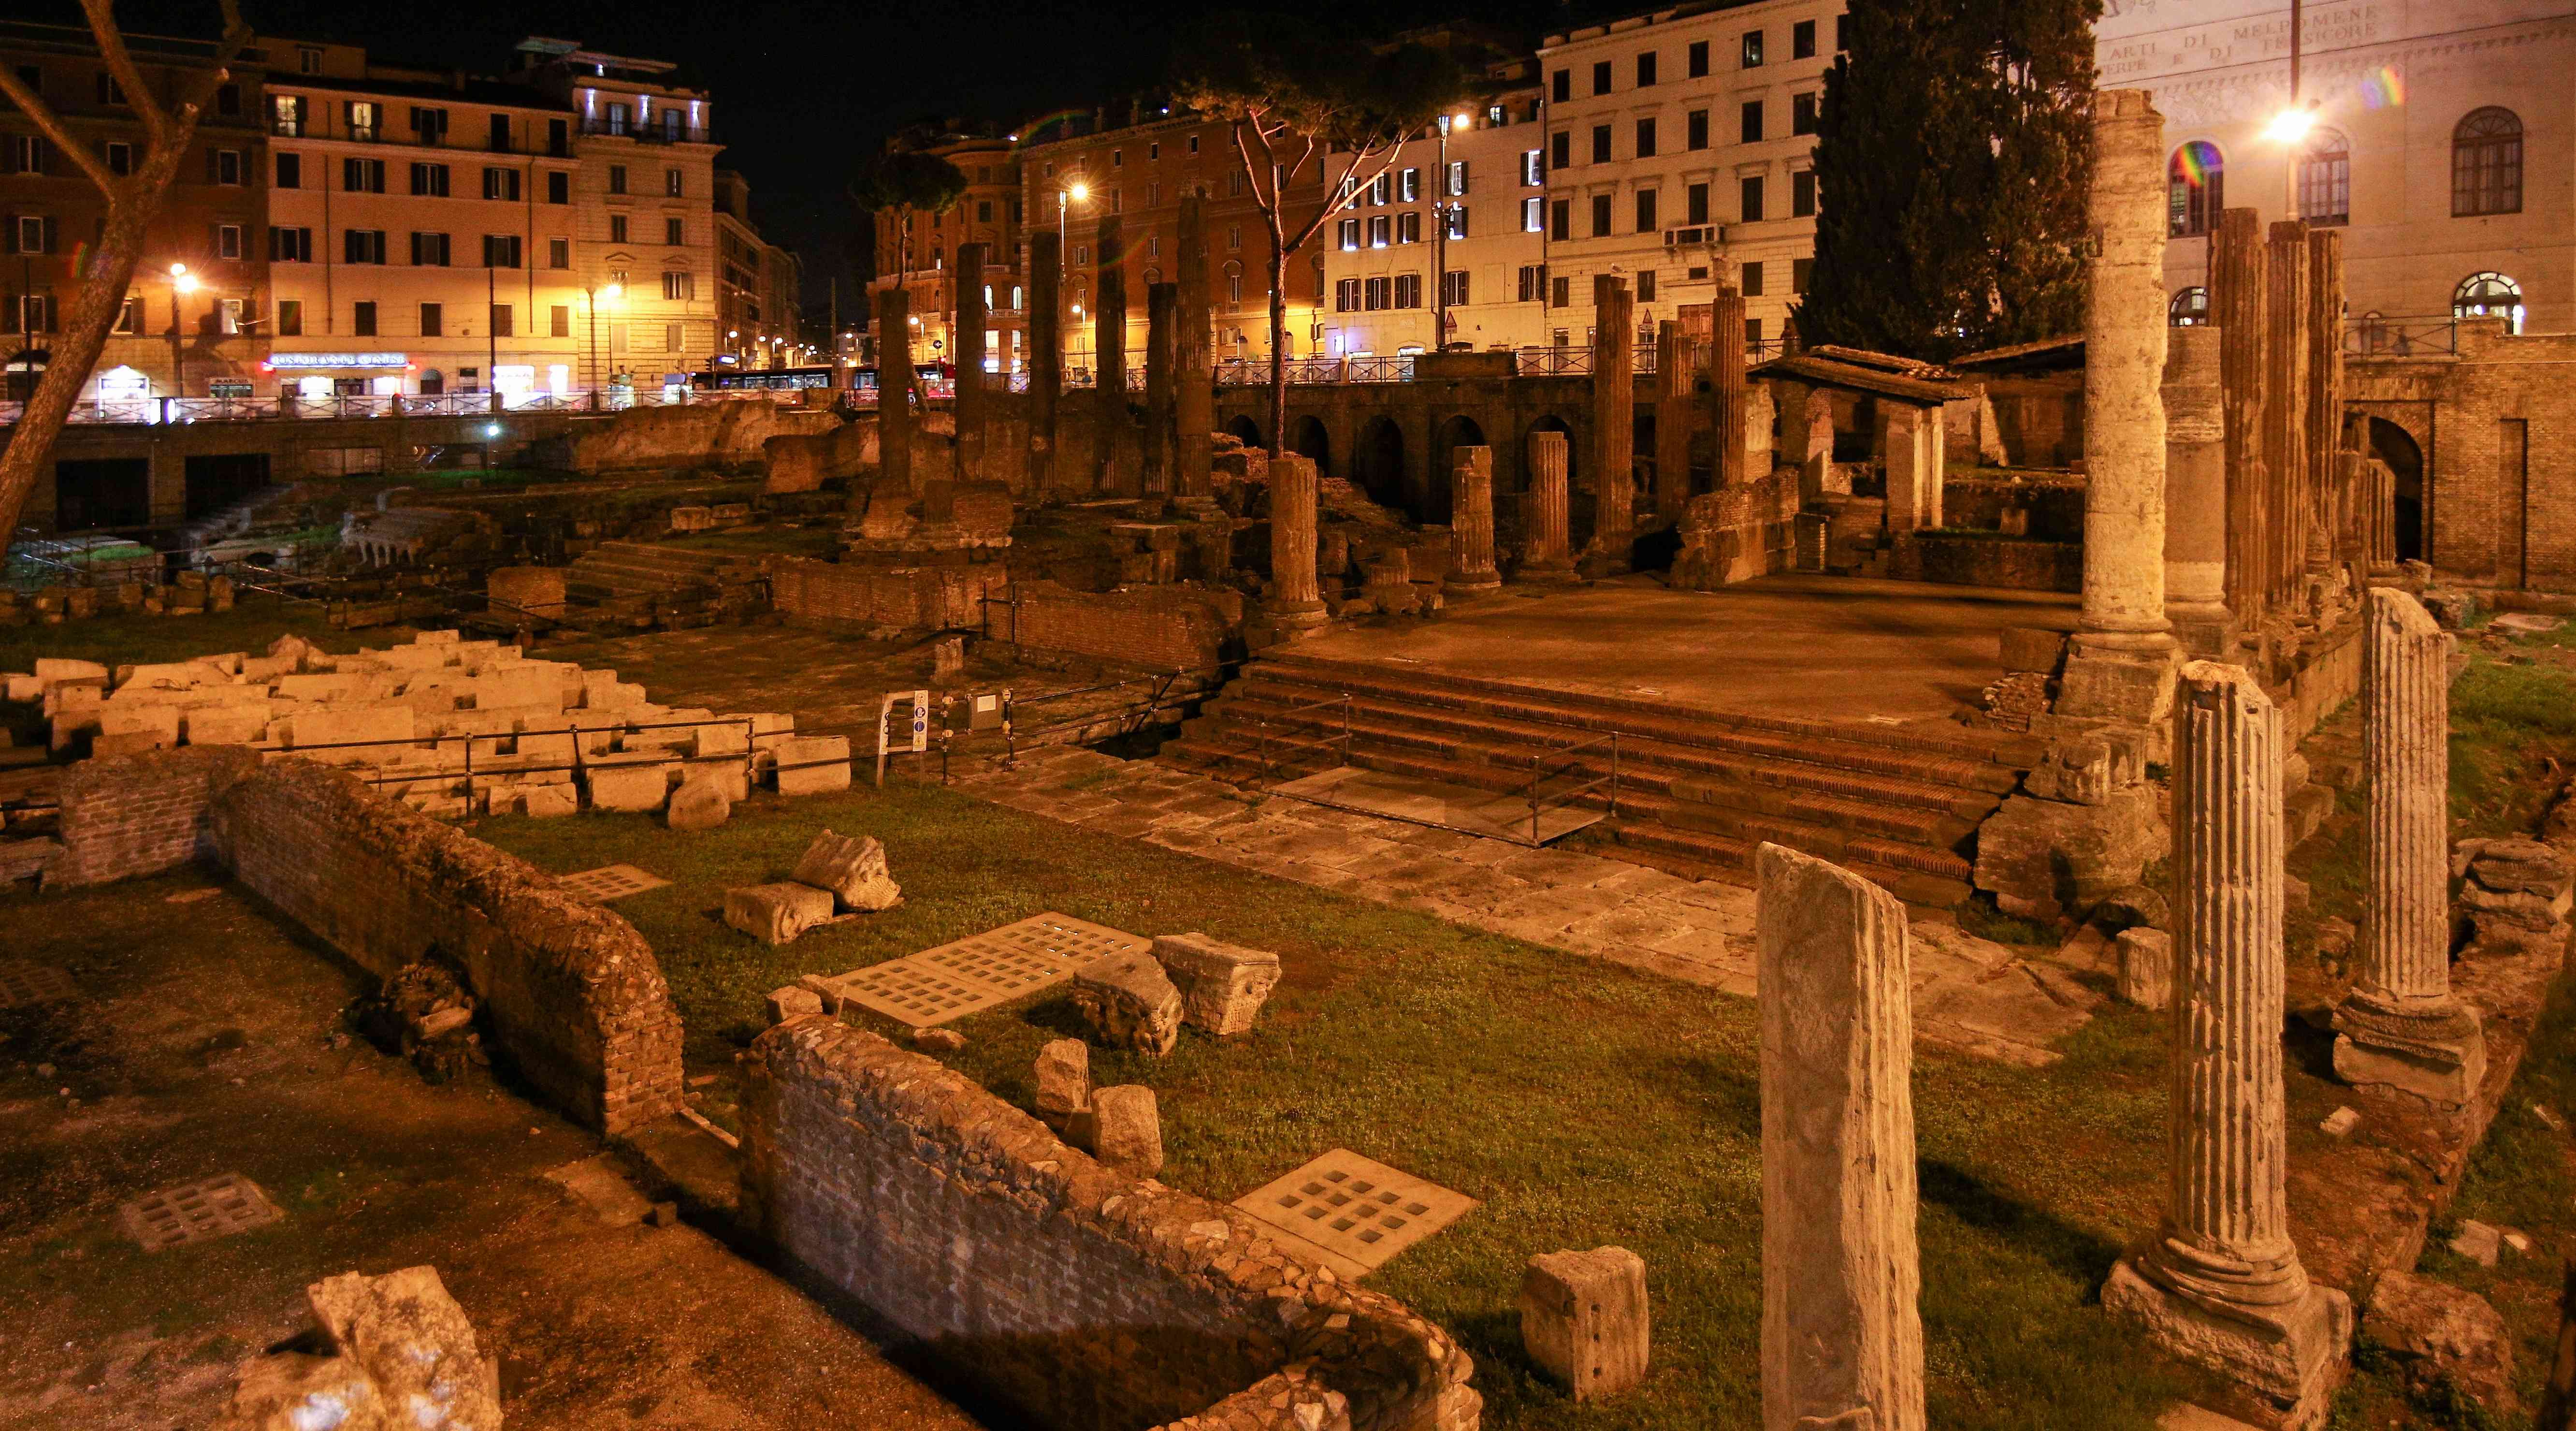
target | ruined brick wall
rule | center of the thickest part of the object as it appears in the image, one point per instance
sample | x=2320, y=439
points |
x=1070, y=1295
x=139, y=815
x=1977, y=559
x=725, y=433
x=1163, y=628
x=2496, y=430
x=2040, y=417
x=929, y=598
x=2052, y=511
x=571, y=995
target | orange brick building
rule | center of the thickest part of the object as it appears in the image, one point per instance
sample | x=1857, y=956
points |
x=988, y=214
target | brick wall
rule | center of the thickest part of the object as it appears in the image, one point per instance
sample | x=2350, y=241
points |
x=929, y=598
x=1977, y=559
x=2496, y=426
x=140, y=815
x=1069, y=1296
x=2055, y=510
x=572, y=996
x=1162, y=628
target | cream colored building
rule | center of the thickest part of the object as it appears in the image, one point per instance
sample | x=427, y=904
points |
x=1678, y=138
x=536, y=235
x=2442, y=141
x=1388, y=274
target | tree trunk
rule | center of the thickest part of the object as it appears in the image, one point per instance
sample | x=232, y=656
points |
x=1278, y=345
x=94, y=310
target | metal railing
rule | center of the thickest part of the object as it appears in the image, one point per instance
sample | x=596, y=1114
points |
x=2376, y=337
x=1565, y=764
x=1397, y=369
x=161, y=411
x=1266, y=737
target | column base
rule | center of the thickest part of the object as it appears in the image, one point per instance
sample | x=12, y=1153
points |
x=2129, y=684
x=2437, y=1055
x=1484, y=585
x=1557, y=572
x=1290, y=616
x=2282, y=1364
x=1597, y=564
x=2205, y=631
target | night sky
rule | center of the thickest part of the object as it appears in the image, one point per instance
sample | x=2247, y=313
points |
x=806, y=91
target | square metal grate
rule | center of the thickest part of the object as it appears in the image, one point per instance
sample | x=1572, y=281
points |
x=1353, y=1213
x=24, y=985
x=214, y=1207
x=609, y=882
x=983, y=970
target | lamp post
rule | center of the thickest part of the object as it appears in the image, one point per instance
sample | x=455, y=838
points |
x=2290, y=127
x=1064, y=198
x=181, y=281
x=1440, y=239
x=591, y=296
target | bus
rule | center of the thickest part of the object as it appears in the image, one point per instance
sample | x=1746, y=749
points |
x=758, y=379
x=938, y=380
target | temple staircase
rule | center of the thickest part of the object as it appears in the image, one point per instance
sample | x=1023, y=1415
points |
x=1695, y=790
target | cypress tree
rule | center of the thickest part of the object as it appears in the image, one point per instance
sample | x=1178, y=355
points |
x=1951, y=164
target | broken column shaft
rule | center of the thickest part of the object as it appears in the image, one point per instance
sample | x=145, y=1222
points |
x=2241, y=306
x=2324, y=398
x=1614, y=426
x=1046, y=355
x=1296, y=601
x=894, y=387
x=1162, y=356
x=2124, y=360
x=968, y=279
x=1546, y=520
x=1471, y=523
x=1727, y=392
x=1194, y=394
x=1109, y=437
x=2285, y=415
x=2196, y=493
x=1672, y=420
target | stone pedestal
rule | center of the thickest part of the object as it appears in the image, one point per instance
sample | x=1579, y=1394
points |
x=894, y=392
x=1545, y=521
x=2401, y=1028
x=967, y=335
x=1842, y=1342
x=1296, y=602
x=1471, y=523
x=1614, y=427
x=2196, y=494
x=1162, y=358
x=2221, y=1284
x=1046, y=355
x=1194, y=395
x=1583, y=1319
x=2241, y=306
x=1672, y=421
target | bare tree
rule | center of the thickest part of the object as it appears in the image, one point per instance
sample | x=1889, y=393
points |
x=1295, y=96
x=133, y=200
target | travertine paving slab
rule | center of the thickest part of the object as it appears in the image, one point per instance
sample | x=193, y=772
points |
x=1354, y=1213
x=982, y=970
x=25, y=985
x=194, y=1212
x=609, y=882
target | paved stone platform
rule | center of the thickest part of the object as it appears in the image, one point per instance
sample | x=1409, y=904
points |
x=1970, y=994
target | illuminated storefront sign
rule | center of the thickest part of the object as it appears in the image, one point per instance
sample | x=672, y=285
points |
x=278, y=361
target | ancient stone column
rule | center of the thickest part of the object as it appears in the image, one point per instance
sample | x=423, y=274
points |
x=2124, y=361
x=2221, y=1283
x=1672, y=420
x=1046, y=354
x=968, y=280
x=2401, y=1027
x=1471, y=523
x=1913, y=485
x=2379, y=521
x=2324, y=396
x=2196, y=493
x=1194, y=395
x=1111, y=438
x=2285, y=416
x=1162, y=356
x=1726, y=389
x=1614, y=426
x=1546, y=522
x=894, y=391
x=2240, y=306
x=1840, y=1272
x=1296, y=602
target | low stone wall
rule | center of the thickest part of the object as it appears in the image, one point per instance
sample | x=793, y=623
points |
x=927, y=598
x=725, y=433
x=1164, y=628
x=573, y=995
x=1984, y=559
x=1067, y=1294
x=2049, y=510
x=141, y=815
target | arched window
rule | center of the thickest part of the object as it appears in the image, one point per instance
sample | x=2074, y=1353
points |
x=2486, y=164
x=2189, y=308
x=2325, y=179
x=2195, y=189
x=2489, y=295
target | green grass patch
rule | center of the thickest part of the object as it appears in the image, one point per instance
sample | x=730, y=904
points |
x=121, y=640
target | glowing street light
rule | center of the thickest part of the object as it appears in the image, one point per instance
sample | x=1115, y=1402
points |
x=2291, y=125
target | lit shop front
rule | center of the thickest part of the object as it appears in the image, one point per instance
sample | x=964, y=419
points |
x=327, y=375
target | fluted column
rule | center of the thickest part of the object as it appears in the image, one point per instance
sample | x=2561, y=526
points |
x=2221, y=1284
x=1672, y=420
x=1614, y=426
x=1727, y=390
x=2285, y=415
x=2196, y=493
x=2324, y=395
x=1546, y=523
x=2124, y=360
x=1295, y=599
x=2380, y=520
x=1162, y=358
x=967, y=454
x=2241, y=306
x=1841, y=1275
x=1046, y=354
x=2401, y=1027
x=1471, y=523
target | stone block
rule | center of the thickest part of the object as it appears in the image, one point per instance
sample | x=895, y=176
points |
x=699, y=804
x=2027, y=648
x=813, y=764
x=553, y=747
x=790, y=1001
x=853, y=870
x=1064, y=1082
x=715, y=740
x=121, y=717
x=2435, y=1332
x=551, y=801
x=1129, y=1003
x=2146, y=968
x=54, y=670
x=628, y=787
x=1126, y=1130
x=1222, y=985
x=350, y=728
x=25, y=689
x=776, y=913
x=1583, y=1319
x=2045, y=858
x=104, y=746
x=223, y=725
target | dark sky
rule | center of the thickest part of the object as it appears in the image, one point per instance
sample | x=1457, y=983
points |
x=806, y=91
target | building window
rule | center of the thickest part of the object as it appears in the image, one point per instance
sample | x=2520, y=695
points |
x=290, y=245
x=1560, y=86
x=1408, y=290
x=1346, y=295
x=1799, y=268
x=362, y=318
x=2489, y=295
x=1753, y=335
x=433, y=320
x=1802, y=40
x=362, y=176
x=1453, y=287
x=1842, y=33
x=1350, y=235
x=559, y=253
x=1752, y=122
x=1695, y=129
x=1753, y=49
x=1234, y=237
x=504, y=321
x=1533, y=216
x=2195, y=189
x=1376, y=294
x=286, y=115
x=1752, y=199
x=1750, y=280
x=290, y=168
x=1457, y=221
x=1233, y=284
x=1560, y=226
x=1533, y=283
x=617, y=228
x=429, y=250
x=1645, y=285
x=1802, y=194
x=29, y=233
x=2325, y=180
x=1533, y=169
x=1408, y=185
x=1802, y=113
x=1381, y=230
x=672, y=183
x=1646, y=211
x=1600, y=76
x=109, y=91
x=365, y=118
x=228, y=240
x=2189, y=308
x=1699, y=59
x=1408, y=227
x=1646, y=138
x=120, y=158
x=1601, y=216
x=362, y=246
x=617, y=178
x=430, y=180
x=501, y=184
x=2486, y=164
x=675, y=232
x=223, y=166
x=1601, y=144
x=558, y=187
x=1560, y=291
x=1382, y=190
x=621, y=117
x=290, y=317
x=429, y=125
x=677, y=286
x=1695, y=204
x=501, y=251
x=1560, y=147
x=1645, y=68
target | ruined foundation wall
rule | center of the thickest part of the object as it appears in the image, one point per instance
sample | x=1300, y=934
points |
x=572, y=996
x=728, y=433
x=140, y=815
x=931, y=598
x=1164, y=628
x=1071, y=1295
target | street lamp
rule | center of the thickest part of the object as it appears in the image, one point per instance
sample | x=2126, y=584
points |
x=1440, y=207
x=2291, y=125
x=181, y=281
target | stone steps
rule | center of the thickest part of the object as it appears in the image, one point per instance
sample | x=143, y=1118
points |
x=615, y=569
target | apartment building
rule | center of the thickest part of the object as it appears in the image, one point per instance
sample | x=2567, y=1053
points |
x=195, y=318
x=533, y=235
x=990, y=212
x=1455, y=232
x=757, y=285
x=1137, y=161
x=1679, y=139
